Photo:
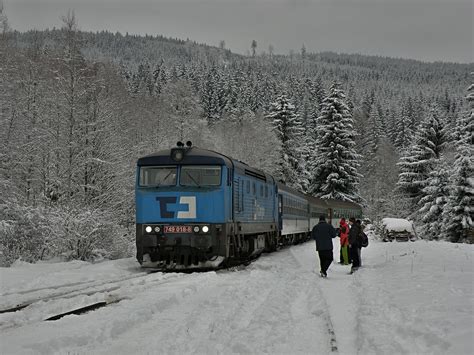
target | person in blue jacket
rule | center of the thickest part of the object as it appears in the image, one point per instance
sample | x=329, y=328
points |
x=323, y=233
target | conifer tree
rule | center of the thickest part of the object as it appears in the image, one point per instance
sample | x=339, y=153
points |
x=210, y=100
x=458, y=215
x=373, y=134
x=404, y=132
x=391, y=124
x=288, y=129
x=421, y=157
x=333, y=170
x=433, y=202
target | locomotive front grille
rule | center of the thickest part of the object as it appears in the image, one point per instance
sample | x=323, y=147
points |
x=175, y=248
x=179, y=256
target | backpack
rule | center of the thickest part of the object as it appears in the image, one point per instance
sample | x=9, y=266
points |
x=364, y=241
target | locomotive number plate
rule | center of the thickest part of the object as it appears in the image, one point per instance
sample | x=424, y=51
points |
x=177, y=229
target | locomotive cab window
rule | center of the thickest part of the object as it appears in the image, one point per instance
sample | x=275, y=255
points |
x=156, y=176
x=200, y=176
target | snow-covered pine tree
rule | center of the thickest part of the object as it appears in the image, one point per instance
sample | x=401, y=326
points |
x=215, y=95
x=420, y=158
x=458, y=214
x=391, y=124
x=319, y=93
x=433, y=202
x=334, y=166
x=210, y=101
x=404, y=132
x=287, y=126
x=309, y=113
x=374, y=133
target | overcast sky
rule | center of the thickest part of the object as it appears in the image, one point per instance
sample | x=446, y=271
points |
x=429, y=30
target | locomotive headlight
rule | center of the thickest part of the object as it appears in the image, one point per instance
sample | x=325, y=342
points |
x=196, y=229
x=157, y=229
x=148, y=229
x=205, y=229
x=177, y=154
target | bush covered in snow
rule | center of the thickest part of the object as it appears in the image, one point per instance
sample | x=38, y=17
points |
x=38, y=233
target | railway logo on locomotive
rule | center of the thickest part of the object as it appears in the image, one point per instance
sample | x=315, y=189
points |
x=170, y=209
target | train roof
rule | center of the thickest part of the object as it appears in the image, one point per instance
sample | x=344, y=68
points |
x=199, y=156
x=319, y=201
x=345, y=204
x=333, y=203
x=283, y=187
x=192, y=156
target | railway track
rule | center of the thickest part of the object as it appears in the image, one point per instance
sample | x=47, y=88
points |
x=101, y=294
x=63, y=291
x=88, y=288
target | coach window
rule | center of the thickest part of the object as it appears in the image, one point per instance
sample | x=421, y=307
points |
x=241, y=198
x=261, y=190
x=254, y=189
x=248, y=187
x=266, y=191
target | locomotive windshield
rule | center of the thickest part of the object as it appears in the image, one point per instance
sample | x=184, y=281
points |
x=200, y=176
x=154, y=176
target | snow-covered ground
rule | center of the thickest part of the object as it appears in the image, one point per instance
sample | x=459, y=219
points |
x=410, y=298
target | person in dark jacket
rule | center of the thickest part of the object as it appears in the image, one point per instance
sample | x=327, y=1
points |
x=323, y=233
x=354, y=244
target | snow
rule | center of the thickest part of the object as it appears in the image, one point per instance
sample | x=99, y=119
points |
x=410, y=298
x=398, y=225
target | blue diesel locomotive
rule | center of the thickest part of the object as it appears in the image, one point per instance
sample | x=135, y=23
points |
x=196, y=208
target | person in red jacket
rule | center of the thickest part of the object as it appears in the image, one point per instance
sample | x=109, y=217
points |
x=344, y=240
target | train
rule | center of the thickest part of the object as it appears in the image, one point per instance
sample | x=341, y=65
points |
x=197, y=208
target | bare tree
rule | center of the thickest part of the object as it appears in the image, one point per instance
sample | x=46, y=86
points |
x=254, y=47
x=271, y=49
x=4, y=27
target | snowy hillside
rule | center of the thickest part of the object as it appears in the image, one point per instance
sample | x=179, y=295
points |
x=410, y=298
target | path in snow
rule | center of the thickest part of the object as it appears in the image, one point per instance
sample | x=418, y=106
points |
x=335, y=294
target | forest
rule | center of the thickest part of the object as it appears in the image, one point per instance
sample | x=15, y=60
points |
x=78, y=108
